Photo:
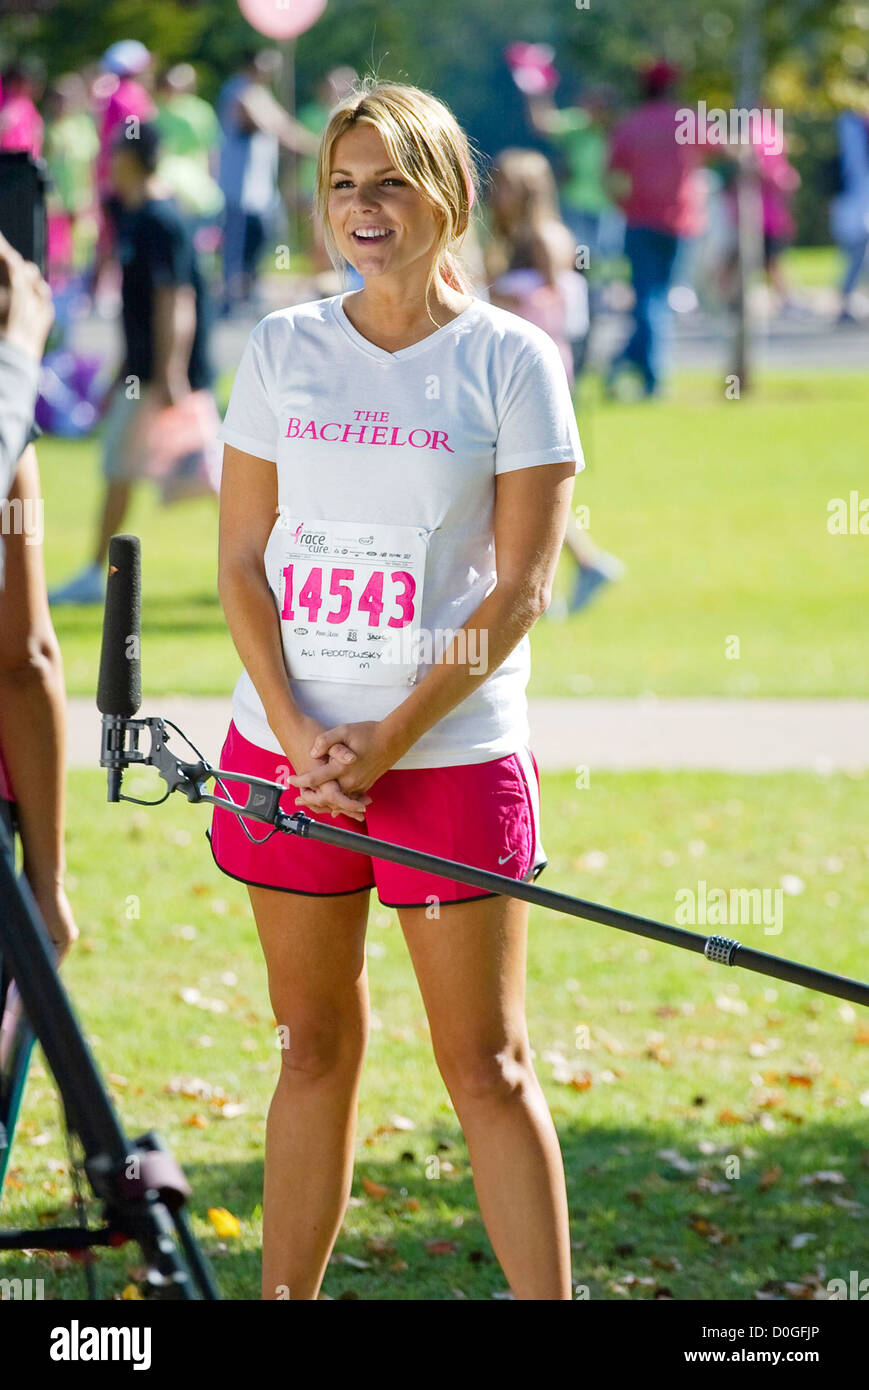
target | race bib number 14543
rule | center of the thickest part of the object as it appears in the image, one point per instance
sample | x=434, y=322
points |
x=350, y=597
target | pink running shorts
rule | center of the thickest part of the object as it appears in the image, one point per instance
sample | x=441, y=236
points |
x=483, y=814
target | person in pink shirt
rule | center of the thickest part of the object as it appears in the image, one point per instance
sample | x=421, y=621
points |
x=779, y=181
x=658, y=183
x=129, y=63
x=21, y=126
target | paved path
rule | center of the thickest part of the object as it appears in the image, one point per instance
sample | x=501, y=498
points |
x=729, y=735
x=809, y=340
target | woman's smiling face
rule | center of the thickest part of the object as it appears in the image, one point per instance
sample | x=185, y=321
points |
x=368, y=194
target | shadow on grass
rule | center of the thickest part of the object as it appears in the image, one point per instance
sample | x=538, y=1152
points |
x=786, y=1220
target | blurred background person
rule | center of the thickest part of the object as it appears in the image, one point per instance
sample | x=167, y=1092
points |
x=779, y=182
x=122, y=94
x=189, y=134
x=849, y=206
x=71, y=147
x=531, y=270
x=166, y=359
x=658, y=184
x=21, y=126
x=581, y=133
x=314, y=116
x=254, y=127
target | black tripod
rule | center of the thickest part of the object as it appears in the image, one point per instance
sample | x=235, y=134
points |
x=141, y=1186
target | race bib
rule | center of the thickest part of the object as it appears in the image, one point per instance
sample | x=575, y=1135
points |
x=350, y=597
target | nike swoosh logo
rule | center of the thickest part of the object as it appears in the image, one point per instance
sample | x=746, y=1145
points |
x=502, y=859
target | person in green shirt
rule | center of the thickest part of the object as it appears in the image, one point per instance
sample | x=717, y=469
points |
x=314, y=116
x=581, y=132
x=189, y=134
x=71, y=146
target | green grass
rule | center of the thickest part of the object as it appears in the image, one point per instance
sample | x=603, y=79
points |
x=717, y=507
x=813, y=267
x=733, y=1072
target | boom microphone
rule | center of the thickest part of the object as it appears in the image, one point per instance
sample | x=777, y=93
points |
x=119, y=690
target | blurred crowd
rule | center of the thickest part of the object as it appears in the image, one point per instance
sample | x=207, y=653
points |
x=164, y=211
x=613, y=185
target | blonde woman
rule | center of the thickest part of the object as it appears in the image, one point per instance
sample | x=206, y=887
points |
x=382, y=445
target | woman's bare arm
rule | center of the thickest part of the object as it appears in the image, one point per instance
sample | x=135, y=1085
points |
x=532, y=506
x=33, y=706
x=248, y=508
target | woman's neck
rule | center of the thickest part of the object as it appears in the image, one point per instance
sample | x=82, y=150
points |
x=399, y=316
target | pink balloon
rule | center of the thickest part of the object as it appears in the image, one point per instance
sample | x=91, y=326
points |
x=281, y=19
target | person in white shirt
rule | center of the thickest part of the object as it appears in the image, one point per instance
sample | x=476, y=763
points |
x=382, y=448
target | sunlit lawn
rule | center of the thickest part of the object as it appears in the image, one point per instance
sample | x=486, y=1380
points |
x=715, y=1128
x=718, y=508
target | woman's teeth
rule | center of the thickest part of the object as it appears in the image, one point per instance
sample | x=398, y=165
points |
x=371, y=236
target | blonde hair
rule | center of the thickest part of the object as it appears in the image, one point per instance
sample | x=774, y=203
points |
x=529, y=174
x=430, y=150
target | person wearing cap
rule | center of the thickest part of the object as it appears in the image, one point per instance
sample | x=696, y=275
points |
x=659, y=185
x=164, y=314
x=129, y=63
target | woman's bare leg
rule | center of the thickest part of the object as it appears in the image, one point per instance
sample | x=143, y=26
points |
x=315, y=954
x=470, y=963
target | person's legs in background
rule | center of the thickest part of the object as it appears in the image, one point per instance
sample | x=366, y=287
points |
x=234, y=222
x=664, y=250
x=652, y=255
x=855, y=256
x=255, y=235
x=119, y=472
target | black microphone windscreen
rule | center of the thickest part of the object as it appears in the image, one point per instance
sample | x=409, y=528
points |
x=119, y=690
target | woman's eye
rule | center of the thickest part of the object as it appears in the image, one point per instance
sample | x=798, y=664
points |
x=341, y=183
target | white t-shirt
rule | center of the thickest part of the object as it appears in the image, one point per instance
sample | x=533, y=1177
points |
x=383, y=546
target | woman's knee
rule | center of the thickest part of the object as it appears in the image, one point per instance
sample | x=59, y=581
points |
x=325, y=1041
x=477, y=1072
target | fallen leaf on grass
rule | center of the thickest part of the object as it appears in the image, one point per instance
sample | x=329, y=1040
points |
x=441, y=1247
x=223, y=1221
x=341, y=1259
x=705, y=1184
x=678, y=1161
x=795, y=1079
x=380, y=1246
x=375, y=1189
x=702, y=1226
x=798, y=1291
x=824, y=1175
x=769, y=1177
x=798, y=1241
